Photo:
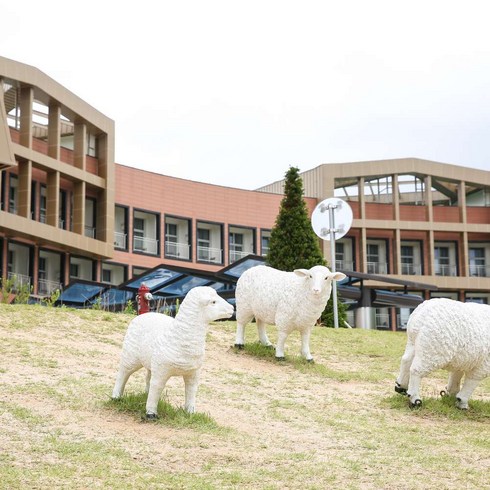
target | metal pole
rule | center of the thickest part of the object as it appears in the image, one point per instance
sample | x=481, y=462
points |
x=332, y=264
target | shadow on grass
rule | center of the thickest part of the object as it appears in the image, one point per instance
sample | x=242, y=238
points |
x=135, y=404
x=260, y=351
x=443, y=407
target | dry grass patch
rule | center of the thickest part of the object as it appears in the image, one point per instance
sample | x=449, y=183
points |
x=261, y=423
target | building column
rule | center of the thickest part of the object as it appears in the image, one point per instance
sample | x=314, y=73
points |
x=428, y=199
x=24, y=189
x=78, y=214
x=105, y=206
x=80, y=146
x=26, y=109
x=54, y=131
x=396, y=197
x=53, y=199
x=431, y=255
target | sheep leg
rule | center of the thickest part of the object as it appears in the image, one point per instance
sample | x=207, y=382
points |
x=305, y=344
x=263, y=339
x=454, y=382
x=417, y=372
x=148, y=378
x=191, y=384
x=464, y=395
x=401, y=383
x=157, y=383
x=122, y=378
x=241, y=323
x=281, y=340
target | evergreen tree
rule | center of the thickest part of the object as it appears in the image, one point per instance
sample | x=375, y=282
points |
x=293, y=243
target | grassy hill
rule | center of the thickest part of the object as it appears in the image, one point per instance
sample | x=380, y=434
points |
x=262, y=424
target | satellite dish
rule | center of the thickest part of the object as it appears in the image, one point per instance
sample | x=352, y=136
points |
x=332, y=216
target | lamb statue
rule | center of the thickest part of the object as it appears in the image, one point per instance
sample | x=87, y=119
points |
x=446, y=334
x=289, y=300
x=168, y=346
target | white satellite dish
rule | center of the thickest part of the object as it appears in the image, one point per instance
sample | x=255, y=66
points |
x=331, y=220
x=322, y=222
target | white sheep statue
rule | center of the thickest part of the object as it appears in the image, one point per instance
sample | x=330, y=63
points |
x=289, y=300
x=451, y=335
x=168, y=346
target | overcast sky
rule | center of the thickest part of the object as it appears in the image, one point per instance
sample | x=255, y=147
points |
x=233, y=93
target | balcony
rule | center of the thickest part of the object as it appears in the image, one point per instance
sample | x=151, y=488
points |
x=45, y=287
x=120, y=240
x=377, y=268
x=208, y=254
x=19, y=280
x=411, y=269
x=177, y=250
x=445, y=269
x=237, y=255
x=344, y=265
x=479, y=270
x=145, y=245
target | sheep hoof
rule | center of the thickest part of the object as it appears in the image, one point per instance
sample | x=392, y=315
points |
x=239, y=346
x=312, y=361
x=279, y=358
x=151, y=416
x=443, y=393
x=461, y=405
x=416, y=404
x=400, y=389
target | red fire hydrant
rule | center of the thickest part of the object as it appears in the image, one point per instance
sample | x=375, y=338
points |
x=144, y=297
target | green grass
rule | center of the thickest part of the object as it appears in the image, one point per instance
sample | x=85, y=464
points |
x=261, y=423
x=134, y=404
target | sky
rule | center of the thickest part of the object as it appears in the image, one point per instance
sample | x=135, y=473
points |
x=234, y=93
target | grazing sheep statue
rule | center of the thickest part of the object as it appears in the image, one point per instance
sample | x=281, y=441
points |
x=446, y=334
x=168, y=346
x=289, y=300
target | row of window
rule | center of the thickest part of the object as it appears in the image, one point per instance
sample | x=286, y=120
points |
x=178, y=242
x=412, y=259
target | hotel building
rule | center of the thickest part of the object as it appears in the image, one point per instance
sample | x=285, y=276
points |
x=69, y=212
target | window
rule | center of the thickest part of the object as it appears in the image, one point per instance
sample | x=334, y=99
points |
x=339, y=255
x=203, y=243
x=106, y=275
x=441, y=255
x=477, y=262
x=42, y=268
x=74, y=270
x=265, y=242
x=13, y=194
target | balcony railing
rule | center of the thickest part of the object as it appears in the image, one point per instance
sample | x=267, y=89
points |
x=411, y=269
x=147, y=245
x=90, y=232
x=120, y=240
x=237, y=255
x=382, y=320
x=377, y=268
x=177, y=250
x=479, y=270
x=208, y=254
x=445, y=270
x=46, y=287
x=19, y=280
x=344, y=264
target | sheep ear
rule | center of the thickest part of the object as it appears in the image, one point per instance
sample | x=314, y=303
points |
x=302, y=272
x=338, y=276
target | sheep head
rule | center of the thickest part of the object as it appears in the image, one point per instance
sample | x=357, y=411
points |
x=319, y=279
x=207, y=303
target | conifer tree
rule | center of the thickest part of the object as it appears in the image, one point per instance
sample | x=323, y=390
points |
x=293, y=243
